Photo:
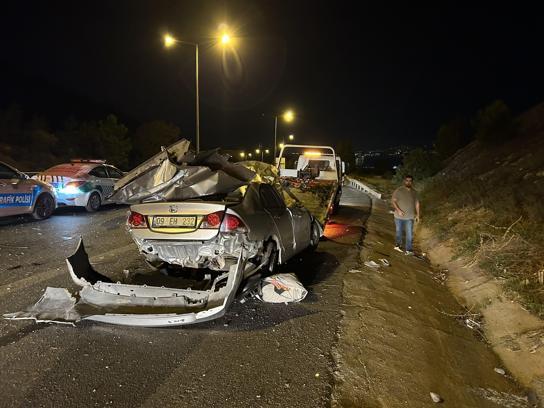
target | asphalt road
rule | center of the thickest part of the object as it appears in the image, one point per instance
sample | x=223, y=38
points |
x=257, y=355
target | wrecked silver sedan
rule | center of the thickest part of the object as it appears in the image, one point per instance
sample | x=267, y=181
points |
x=206, y=223
x=213, y=234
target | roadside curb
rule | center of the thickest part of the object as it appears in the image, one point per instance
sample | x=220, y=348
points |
x=516, y=335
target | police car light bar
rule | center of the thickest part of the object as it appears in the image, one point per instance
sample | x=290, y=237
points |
x=87, y=161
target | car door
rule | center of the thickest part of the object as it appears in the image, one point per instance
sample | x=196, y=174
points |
x=302, y=224
x=114, y=174
x=275, y=206
x=100, y=181
x=16, y=195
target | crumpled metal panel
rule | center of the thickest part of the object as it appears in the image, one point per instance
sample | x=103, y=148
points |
x=191, y=255
x=175, y=174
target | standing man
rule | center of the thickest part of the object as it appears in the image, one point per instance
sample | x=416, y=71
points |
x=406, y=206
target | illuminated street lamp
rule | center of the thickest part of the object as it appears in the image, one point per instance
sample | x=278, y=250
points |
x=242, y=155
x=249, y=154
x=288, y=116
x=267, y=151
x=291, y=138
x=281, y=145
x=225, y=39
x=169, y=42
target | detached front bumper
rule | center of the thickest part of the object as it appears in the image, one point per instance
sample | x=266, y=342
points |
x=132, y=305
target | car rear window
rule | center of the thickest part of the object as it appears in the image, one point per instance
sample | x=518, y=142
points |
x=99, y=171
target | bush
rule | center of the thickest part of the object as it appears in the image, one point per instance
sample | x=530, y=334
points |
x=494, y=124
x=451, y=137
x=419, y=163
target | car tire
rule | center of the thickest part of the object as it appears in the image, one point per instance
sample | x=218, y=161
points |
x=315, y=236
x=94, y=202
x=44, y=207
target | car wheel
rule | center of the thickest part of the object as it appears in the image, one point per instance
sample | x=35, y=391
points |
x=315, y=235
x=44, y=207
x=94, y=202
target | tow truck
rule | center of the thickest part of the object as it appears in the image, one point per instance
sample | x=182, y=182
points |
x=313, y=174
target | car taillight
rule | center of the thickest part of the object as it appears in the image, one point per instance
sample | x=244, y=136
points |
x=213, y=220
x=231, y=223
x=136, y=220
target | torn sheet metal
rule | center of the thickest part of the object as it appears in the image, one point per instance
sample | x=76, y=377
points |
x=56, y=305
x=282, y=288
x=176, y=174
x=132, y=305
x=214, y=254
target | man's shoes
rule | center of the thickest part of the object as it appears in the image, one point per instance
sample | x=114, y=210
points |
x=409, y=253
x=398, y=248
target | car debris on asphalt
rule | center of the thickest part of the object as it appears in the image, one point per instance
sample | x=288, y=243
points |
x=205, y=223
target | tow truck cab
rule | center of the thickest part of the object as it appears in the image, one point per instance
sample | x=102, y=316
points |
x=314, y=175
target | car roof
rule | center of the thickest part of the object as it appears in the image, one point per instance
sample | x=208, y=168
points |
x=71, y=169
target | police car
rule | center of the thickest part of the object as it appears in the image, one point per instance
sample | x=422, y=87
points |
x=20, y=194
x=82, y=183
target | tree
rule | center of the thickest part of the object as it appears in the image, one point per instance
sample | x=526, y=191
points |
x=419, y=163
x=11, y=124
x=150, y=136
x=344, y=149
x=114, y=143
x=494, y=124
x=451, y=137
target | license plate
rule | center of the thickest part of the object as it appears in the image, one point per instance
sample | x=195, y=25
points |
x=173, y=222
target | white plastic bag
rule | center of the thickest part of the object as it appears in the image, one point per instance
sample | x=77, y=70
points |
x=282, y=288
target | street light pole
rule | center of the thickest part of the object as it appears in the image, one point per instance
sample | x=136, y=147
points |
x=169, y=42
x=197, y=104
x=275, y=136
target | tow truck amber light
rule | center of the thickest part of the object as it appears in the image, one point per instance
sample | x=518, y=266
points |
x=231, y=223
x=312, y=153
x=137, y=220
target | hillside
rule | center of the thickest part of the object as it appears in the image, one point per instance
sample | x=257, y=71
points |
x=489, y=202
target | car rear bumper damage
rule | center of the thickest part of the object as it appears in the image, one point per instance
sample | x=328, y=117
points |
x=217, y=254
x=102, y=300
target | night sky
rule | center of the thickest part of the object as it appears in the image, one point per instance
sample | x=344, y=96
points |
x=378, y=76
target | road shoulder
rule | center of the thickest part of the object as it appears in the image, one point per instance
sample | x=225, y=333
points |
x=399, y=339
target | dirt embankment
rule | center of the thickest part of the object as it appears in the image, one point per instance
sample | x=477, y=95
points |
x=484, y=215
x=516, y=335
x=401, y=337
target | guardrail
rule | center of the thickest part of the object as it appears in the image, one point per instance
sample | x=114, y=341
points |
x=362, y=187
